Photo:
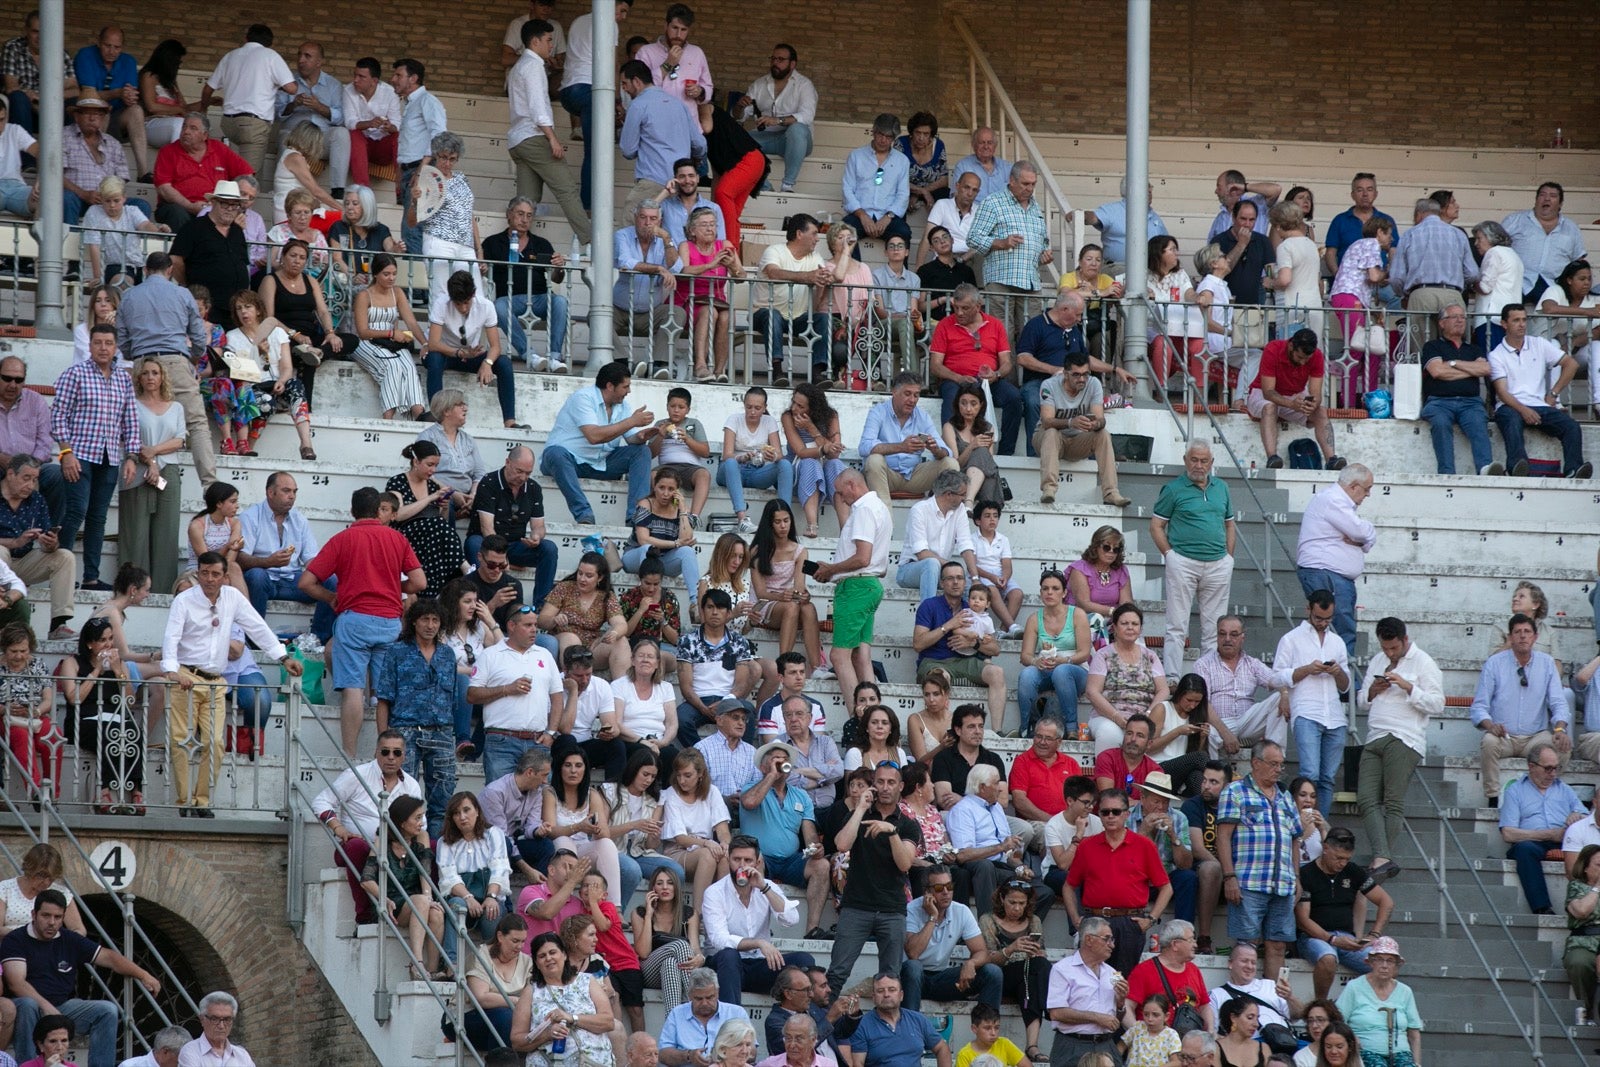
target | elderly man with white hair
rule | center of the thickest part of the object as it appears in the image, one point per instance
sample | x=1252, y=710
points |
x=1171, y=972
x=987, y=850
x=164, y=1049
x=218, y=1012
x=1193, y=529
x=1334, y=542
x=1199, y=1049
x=799, y=1048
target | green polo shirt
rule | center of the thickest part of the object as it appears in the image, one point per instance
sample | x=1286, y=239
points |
x=1197, y=518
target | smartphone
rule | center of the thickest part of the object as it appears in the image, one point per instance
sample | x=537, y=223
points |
x=1327, y=663
x=811, y=567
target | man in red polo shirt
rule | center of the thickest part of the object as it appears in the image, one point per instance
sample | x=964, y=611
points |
x=1127, y=767
x=970, y=347
x=1038, y=774
x=368, y=558
x=189, y=168
x=1112, y=876
x=1289, y=387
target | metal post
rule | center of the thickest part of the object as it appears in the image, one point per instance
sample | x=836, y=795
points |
x=296, y=909
x=1134, y=350
x=1444, y=866
x=47, y=309
x=382, y=999
x=602, y=166
x=127, y=983
x=458, y=916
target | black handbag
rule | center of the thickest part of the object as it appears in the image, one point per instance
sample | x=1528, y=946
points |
x=1185, y=1017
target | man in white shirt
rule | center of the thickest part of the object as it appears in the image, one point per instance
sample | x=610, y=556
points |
x=247, y=81
x=511, y=45
x=784, y=104
x=1334, y=542
x=576, y=76
x=218, y=1013
x=1519, y=370
x=936, y=531
x=935, y=924
x=194, y=651
x=955, y=213
x=1403, y=689
x=536, y=152
x=349, y=809
x=737, y=915
x=521, y=691
x=1314, y=665
x=164, y=1048
x=860, y=560
x=372, y=113
x=1275, y=1001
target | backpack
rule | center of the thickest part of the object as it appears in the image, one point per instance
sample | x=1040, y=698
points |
x=1304, y=455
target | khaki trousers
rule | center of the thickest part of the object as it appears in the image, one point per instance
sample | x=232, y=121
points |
x=884, y=479
x=1053, y=447
x=202, y=710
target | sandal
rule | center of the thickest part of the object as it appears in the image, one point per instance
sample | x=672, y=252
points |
x=105, y=807
x=307, y=452
x=811, y=530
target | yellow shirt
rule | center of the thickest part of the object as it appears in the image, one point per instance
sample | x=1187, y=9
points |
x=1002, y=1049
x=1103, y=283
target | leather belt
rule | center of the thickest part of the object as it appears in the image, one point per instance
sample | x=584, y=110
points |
x=210, y=676
x=520, y=735
x=1116, y=913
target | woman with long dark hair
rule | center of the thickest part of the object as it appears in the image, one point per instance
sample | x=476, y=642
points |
x=635, y=800
x=160, y=94
x=969, y=436
x=811, y=430
x=408, y=898
x=583, y=609
x=777, y=575
x=94, y=683
x=423, y=517
x=576, y=816
x=1182, y=724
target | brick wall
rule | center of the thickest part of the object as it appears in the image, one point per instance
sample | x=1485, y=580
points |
x=220, y=900
x=1344, y=70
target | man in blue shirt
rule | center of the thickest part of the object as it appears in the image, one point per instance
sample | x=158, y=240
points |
x=646, y=259
x=105, y=72
x=877, y=185
x=935, y=924
x=784, y=821
x=423, y=119
x=414, y=683
x=895, y=439
x=657, y=132
x=690, y=1029
x=1519, y=703
x=1345, y=228
x=892, y=1036
x=597, y=435
x=1111, y=219
x=318, y=98
x=1534, y=814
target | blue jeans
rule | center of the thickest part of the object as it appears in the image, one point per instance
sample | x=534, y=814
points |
x=941, y=985
x=1008, y=410
x=1528, y=856
x=1489, y=335
x=674, y=562
x=482, y=926
x=552, y=308
x=88, y=500
x=1344, y=601
x=1184, y=884
x=14, y=194
x=1555, y=422
x=1321, y=750
x=774, y=328
x=793, y=143
x=1066, y=680
x=481, y=1032
x=638, y=870
x=505, y=383
x=24, y=114
x=575, y=98
x=629, y=461
x=542, y=559
x=264, y=587
x=1313, y=950
x=737, y=975
x=736, y=475
x=463, y=710
x=431, y=760
x=54, y=488
x=253, y=697
x=1443, y=414
x=98, y=1018
x=897, y=227
x=500, y=754
x=921, y=575
x=1030, y=412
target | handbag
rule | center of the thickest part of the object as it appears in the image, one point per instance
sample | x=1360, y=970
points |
x=1276, y=1036
x=1249, y=328
x=1372, y=340
x=1408, y=391
x=1185, y=1016
x=243, y=367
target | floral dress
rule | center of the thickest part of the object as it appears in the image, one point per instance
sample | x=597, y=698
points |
x=230, y=401
x=586, y=624
x=592, y=1050
x=925, y=174
x=1130, y=687
x=435, y=540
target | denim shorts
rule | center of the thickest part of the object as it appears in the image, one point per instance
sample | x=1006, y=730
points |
x=1313, y=950
x=1262, y=916
x=357, y=638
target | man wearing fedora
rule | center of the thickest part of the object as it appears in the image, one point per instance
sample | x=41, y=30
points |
x=784, y=821
x=88, y=156
x=211, y=251
x=1161, y=820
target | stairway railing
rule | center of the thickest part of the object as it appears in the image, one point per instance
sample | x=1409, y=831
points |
x=1542, y=1009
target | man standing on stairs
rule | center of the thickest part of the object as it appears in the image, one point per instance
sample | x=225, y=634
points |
x=1519, y=703
x=1404, y=689
x=1258, y=838
x=536, y=152
x=1334, y=542
x=422, y=120
x=1313, y=665
x=1193, y=529
x=1534, y=814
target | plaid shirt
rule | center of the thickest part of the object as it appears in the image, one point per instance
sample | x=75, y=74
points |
x=94, y=414
x=1263, y=838
x=79, y=165
x=998, y=217
x=730, y=769
x=17, y=62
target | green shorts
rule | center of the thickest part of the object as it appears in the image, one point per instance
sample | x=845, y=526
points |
x=855, y=609
x=964, y=670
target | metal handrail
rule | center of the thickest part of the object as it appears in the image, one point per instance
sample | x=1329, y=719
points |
x=463, y=1002
x=1071, y=222
x=1531, y=1032
x=1194, y=396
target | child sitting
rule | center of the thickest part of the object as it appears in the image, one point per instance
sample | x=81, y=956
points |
x=986, y=1040
x=1153, y=1042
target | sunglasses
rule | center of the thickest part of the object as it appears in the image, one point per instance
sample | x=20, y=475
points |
x=525, y=609
x=391, y=752
x=1018, y=883
x=1112, y=811
x=14, y=379
x=888, y=763
x=877, y=179
x=1522, y=677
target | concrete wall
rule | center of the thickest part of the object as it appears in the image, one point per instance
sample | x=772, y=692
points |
x=1354, y=70
x=219, y=898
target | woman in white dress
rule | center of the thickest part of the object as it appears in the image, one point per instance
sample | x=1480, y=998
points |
x=1499, y=282
x=561, y=1003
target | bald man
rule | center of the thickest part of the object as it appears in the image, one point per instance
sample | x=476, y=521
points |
x=510, y=503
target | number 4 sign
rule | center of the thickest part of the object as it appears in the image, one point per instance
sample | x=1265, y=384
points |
x=114, y=864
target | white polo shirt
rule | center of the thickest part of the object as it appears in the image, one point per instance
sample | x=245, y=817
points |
x=501, y=665
x=1526, y=372
x=249, y=78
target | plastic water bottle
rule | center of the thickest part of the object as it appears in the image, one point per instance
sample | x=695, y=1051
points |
x=577, y=250
x=558, y=1048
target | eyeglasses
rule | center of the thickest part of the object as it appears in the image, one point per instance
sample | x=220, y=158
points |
x=220, y=1020
x=491, y=565
x=216, y=622
x=14, y=379
x=1548, y=766
x=1522, y=677
x=573, y=659
x=391, y=751
x=1111, y=548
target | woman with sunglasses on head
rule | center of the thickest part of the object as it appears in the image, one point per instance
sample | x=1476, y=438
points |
x=647, y=711
x=583, y=609
x=1098, y=581
x=469, y=628
x=1014, y=937
x=1055, y=646
x=576, y=816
